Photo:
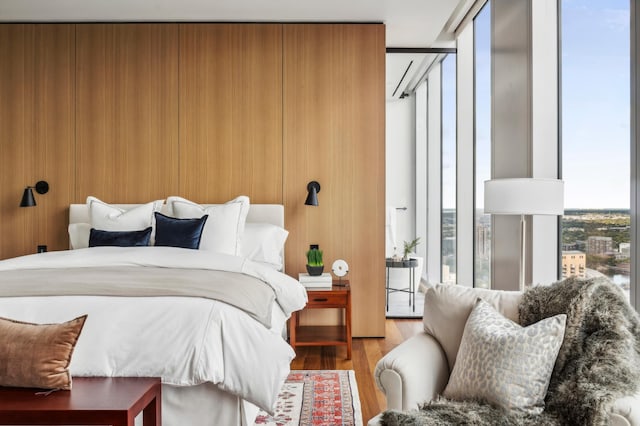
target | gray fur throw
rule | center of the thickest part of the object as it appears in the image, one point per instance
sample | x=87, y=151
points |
x=599, y=361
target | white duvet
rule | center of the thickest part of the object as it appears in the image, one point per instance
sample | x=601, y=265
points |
x=184, y=340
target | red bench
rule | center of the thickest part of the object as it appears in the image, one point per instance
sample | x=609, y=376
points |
x=92, y=401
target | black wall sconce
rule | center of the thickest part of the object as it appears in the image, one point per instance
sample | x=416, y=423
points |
x=28, y=200
x=312, y=198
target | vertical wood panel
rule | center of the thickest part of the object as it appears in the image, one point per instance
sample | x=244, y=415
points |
x=334, y=133
x=53, y=121
x=15, y=170
x=231, y=112
x=127, y=111
x=36, y=133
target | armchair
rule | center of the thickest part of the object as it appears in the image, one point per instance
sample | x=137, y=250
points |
x=418, y=370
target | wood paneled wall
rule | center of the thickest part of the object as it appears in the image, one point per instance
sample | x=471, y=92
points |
x=134, y=112
x=127, y=111
x=231, y=112
x=37, y=74
x=334, y=134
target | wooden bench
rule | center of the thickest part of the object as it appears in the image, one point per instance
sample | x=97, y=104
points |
x=92, y=401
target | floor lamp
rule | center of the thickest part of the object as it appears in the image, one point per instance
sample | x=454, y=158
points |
x=524, y=196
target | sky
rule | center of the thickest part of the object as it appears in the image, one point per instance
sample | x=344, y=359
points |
x=595, y=105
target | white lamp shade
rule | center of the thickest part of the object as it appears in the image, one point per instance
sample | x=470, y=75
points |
x=524, y=196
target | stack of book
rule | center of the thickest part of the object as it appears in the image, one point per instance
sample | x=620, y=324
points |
x=319, y=281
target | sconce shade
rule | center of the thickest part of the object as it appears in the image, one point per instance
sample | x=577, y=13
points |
x=312, y=198
x=27, y=198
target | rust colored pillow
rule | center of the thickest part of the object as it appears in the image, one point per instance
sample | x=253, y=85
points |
x=37, y=355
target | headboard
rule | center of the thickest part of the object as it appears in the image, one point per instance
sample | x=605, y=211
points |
x=266, y=213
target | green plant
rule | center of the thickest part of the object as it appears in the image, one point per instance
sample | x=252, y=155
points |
x=409, y=247
x=314, y=257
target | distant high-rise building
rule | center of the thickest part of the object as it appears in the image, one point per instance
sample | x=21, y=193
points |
x=599, y=245
x=574, y=263
x=625, y=249
x=483, y=242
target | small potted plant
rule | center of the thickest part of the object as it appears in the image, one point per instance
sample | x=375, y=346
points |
x=409, y=247
x=315, y=266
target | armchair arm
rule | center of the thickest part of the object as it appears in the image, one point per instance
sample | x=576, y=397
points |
x=626, y=411
x=413, y=372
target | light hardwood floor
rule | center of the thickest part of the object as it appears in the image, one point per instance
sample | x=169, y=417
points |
x=365, y=354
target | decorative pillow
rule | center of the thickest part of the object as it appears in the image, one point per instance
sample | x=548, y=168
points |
x=37, y=356
x=106, y=217
x=185, y=233
x=223, y=231
x=504, y=364
x=449, y=307
x=79, y=235
x=264, y=242
x=141, y=238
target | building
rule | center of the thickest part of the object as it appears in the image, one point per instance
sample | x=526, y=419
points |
x=483, y=241
x=599, y=245
x=625, y=249
x=574, y=264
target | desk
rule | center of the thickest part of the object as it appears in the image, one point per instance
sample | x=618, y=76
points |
x=411, y=265
x=338, y=296
x=92, y=401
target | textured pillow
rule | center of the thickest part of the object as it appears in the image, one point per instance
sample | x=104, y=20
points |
x=264, y=242
x=185, y=233
x=141, y=238
x=37, y=356
x=449, y=307
x=106, y=217
x=79, y=235
x=223, y=231
x=504, y=364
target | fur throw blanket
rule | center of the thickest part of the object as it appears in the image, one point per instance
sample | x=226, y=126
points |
x=599, y=361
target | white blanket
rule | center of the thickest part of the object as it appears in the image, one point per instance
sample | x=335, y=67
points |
x=184, y=340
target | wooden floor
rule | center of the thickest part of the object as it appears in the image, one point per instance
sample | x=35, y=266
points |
x=365, y=354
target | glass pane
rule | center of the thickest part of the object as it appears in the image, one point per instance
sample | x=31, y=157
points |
x=449, y=169
x=482, y=72
x=596, y=232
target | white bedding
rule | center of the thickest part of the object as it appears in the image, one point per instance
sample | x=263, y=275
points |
x=185, y=340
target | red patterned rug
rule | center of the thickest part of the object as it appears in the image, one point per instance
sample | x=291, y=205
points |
x=316, y=397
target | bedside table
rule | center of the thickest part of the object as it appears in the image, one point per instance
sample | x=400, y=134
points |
x=326, y=335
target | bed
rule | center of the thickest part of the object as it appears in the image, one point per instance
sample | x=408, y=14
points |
x=209, y=324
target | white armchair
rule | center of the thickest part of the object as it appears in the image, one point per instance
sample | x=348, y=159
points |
x=418, y=369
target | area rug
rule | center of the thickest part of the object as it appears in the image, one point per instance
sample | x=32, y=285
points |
x=316, y=397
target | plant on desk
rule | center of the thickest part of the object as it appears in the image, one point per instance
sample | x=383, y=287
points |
x=409, y=247
x=315, y=266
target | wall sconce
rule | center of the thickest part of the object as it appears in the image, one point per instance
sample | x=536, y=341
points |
x=28, y=200
x=312, y=198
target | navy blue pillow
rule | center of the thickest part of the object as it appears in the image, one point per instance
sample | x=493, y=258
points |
x=173, y=232
x=119, y=238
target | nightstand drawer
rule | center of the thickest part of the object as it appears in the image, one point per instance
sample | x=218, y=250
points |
x=319, y=300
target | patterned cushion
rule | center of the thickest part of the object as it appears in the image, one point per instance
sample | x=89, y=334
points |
x=504, y=364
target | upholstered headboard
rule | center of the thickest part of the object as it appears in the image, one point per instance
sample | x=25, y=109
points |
x=266, y=213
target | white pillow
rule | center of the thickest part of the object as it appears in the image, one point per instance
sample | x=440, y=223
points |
x=79, y=235
x=264, y=242
x=224, y=229
x=503, y=363
x=106, y=217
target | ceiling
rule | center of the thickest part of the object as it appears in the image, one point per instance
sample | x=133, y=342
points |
x=409, y=23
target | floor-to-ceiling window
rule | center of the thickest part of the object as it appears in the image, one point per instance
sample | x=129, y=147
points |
x=482, y=72
x=595, y=88
x=449, y=140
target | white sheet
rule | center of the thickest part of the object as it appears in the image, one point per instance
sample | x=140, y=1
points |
x=184, y=340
